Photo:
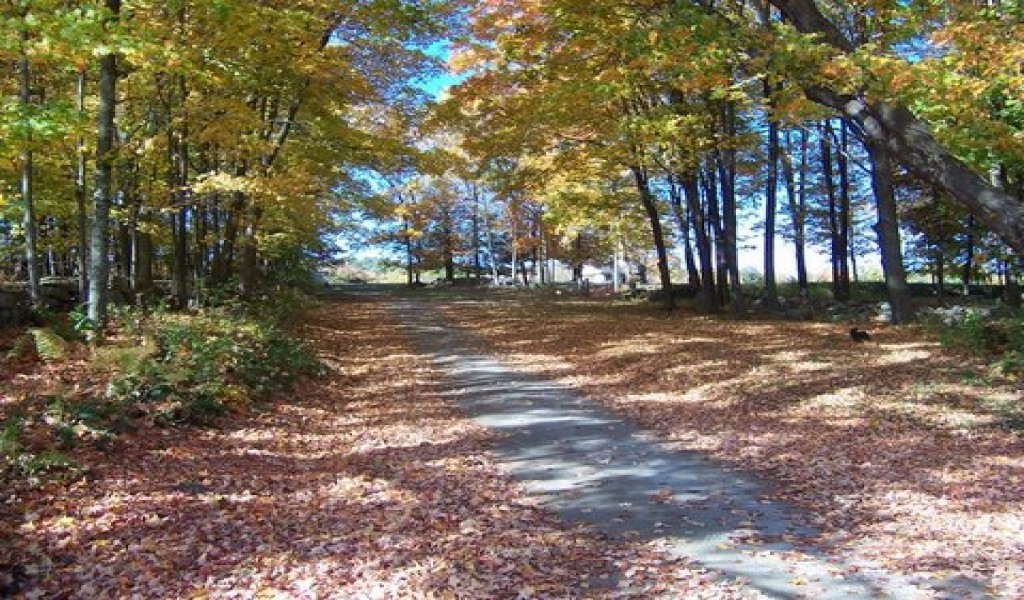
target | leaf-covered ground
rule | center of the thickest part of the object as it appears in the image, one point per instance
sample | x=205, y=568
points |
x=896, y=445
x=366, y=484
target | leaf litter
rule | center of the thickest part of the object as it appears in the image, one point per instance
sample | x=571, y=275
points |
x=897, y=454
x=366, y=484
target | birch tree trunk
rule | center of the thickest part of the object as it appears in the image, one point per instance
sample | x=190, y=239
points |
x=29, y=225
x=80, y=202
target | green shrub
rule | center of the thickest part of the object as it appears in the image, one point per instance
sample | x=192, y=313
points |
x=47, y=462
x=999, y=339
x=209, y=363
x=65, y=325
x=16, y=458
x=88, y=421
x=10, y=439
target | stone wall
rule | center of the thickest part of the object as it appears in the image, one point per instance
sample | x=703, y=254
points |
x=13, y=307
x=57, y=294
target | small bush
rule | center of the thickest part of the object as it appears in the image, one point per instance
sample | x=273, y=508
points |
x=206, y=364
x=47, y=462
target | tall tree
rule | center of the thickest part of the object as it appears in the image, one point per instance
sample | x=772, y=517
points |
x=27, y=166
x=900, y=300
x=99, y=260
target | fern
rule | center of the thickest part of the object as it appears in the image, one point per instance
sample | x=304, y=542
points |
x=10, y=439
x=121, y=359
x=50, y=346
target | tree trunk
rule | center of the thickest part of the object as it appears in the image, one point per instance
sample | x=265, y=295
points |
x=577, y=265
x=730, y=225
x=707, y=298
x=651, y=208
x=771, y=292
x=477, y=265
x=407, y=242
x=714, y=217
x=843, y=243
x=796, y=200
x=1011, y=295
x=681, y=212
x=200, y=254
x=229, y=243
x=179, y=235
x=249, y=263
x=80, y=198
x=99, y=261
x=143, y=280
x=217, y=248
x=31, y=228
x=448, y=246
x=828, y=171
x=489, y=227
x=967, y=275
x=888, y=231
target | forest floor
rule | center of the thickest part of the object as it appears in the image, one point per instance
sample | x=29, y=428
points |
x=368, y=483
x=372, y=483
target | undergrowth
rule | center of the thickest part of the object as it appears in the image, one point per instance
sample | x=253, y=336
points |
x=159, y=368
x=196, y=367
x=995, y=338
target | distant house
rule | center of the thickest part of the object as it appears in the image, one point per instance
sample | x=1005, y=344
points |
x=597, y=275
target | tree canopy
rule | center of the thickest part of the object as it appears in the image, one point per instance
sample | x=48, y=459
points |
x=212, y=144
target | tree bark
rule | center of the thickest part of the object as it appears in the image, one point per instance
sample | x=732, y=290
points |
x=771, y=292
x=707, y=298
x=654, y=218
x=828, y=172
x=99, y=261
x=888, y=231
x=176, y=181
x=448, y=244
x=841, y=290
x=796, y=200
x=714, y=218
x=730, y=228
x=477, y=265
x=489, y=232
x=967, y=274
x=682, y=214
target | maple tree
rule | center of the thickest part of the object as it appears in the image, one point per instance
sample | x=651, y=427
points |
x=224, y=136
x=236, y=135
x=665, y=90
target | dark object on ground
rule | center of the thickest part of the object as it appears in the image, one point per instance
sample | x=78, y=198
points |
x=11, y=579
x=859, y=335
x=192, y=488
